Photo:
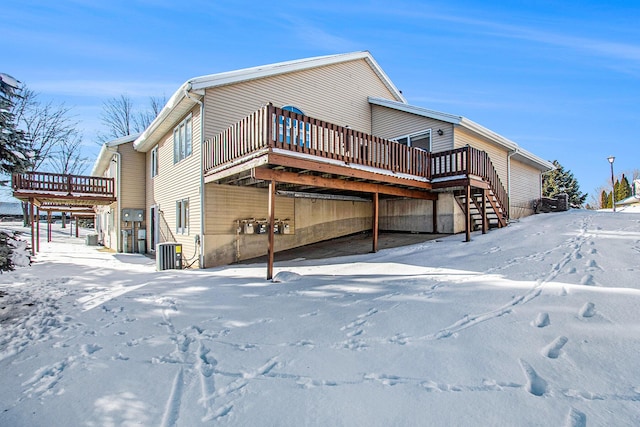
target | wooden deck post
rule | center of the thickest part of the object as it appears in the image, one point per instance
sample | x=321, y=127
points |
x=434, y=216
x=77, y=233
x=38, y=229
x=467, y=215
x=271, y=213
x=375, y=225
x=49, y=226
x=30, y=215
x=485, y=220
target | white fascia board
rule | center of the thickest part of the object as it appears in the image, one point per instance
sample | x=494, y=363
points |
x=198, y=85
x=230, y=77
x=437, y=115
x=104, y=156
x=144, y=141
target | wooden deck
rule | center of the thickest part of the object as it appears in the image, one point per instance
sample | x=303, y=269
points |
x=275, y=144
x=52, y=190
x=277, y=147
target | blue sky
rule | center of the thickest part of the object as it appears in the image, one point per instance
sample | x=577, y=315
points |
x=561, y=78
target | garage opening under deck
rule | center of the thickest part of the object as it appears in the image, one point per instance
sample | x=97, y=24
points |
x=281, y=150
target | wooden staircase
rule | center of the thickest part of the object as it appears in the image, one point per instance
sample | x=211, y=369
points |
x=494, y=212
x=470, y=175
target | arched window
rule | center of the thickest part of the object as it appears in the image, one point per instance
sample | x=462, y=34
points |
x=294, y=132
x=293, y=109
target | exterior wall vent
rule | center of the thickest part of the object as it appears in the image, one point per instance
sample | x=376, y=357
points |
x=168, y=256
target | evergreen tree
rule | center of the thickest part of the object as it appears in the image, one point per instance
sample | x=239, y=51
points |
x=624, y=189
x=604, y=197
x=562, y=181
x=13, y=147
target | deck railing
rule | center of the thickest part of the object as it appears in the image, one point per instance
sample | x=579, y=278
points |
x=44, y=182
x=469, y=161
x=271, y=127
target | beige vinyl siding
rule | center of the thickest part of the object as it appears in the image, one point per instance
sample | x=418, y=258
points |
x=498, y=155
x=389, y=123
x=132, y=176
x=226, y=204
x=525, y=188
x=335, y=93
x=310, y=220
x=176, y=182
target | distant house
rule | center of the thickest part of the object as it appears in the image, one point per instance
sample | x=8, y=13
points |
x=10, y=211
x=319, y=148
x=117, y=159
x=634, y=199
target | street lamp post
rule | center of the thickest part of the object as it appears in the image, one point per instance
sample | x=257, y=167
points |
x=613, y=185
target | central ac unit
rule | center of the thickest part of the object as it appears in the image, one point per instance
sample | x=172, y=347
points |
x=168, y=256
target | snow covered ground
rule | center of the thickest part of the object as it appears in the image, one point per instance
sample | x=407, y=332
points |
x=534, y=324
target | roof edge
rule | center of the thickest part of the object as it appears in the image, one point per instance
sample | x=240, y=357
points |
x=467, y=124
x=199, y=84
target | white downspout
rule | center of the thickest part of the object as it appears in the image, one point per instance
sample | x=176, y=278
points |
x=202, y=210
x=509, y=155
x=118, y=194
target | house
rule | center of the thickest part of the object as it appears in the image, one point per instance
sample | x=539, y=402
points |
x=634, y=199
x=119, y=223
x=248, y=162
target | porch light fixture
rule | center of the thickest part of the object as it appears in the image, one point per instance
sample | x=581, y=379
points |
x=440, y=132
x=613, y=184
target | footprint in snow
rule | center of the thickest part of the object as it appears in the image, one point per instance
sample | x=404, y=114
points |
x=541, y=320
x=536, y=385
x=552, y=351
x=576, y=418
x=587, y=310
x=587, y=280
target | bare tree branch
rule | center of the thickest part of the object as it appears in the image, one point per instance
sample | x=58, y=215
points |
x=120, y=119
x=117, y=118
x=46, y=126
x=68, y=158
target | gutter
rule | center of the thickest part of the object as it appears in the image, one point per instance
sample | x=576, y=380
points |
x=201, y=238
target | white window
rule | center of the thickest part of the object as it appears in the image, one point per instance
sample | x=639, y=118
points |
x=420, y=140
x=182, y=216
x=154, y=161
x=182, y=140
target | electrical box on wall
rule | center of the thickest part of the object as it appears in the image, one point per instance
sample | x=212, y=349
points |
x=261, y=226
x=133, y=215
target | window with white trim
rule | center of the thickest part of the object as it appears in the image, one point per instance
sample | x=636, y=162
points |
x=420, y=140
x=182, y=216
x=182, y=135
x=154, y=161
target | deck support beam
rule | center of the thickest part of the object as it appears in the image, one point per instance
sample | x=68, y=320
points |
x=434, y=216
x=48, y=226
x=485, y=220
x=467, y=214
x=33, y=240
x=38, y=229
x=375, y=225
x=271, y=214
